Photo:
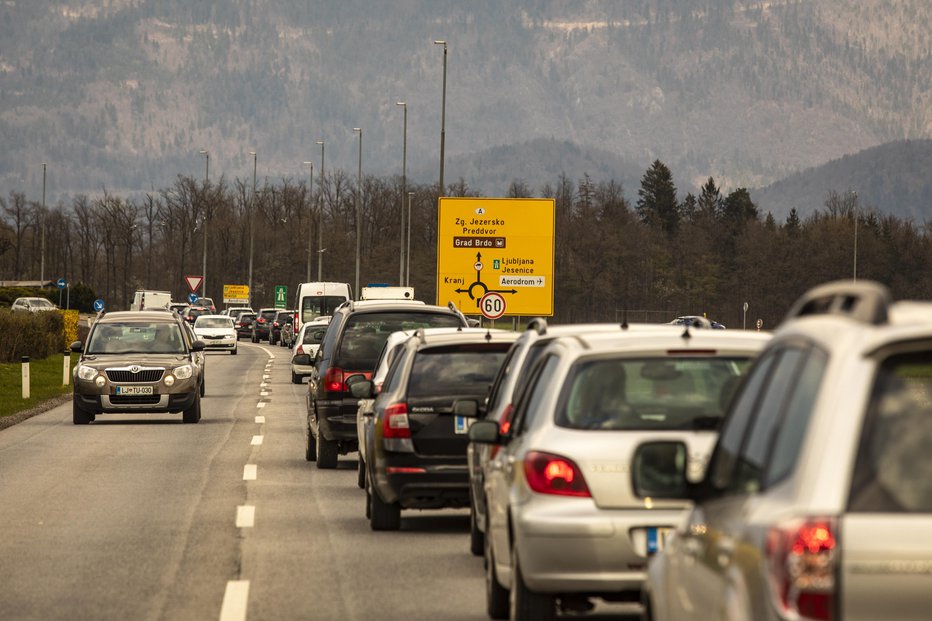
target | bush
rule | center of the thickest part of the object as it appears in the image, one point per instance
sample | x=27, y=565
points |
x=37, y=335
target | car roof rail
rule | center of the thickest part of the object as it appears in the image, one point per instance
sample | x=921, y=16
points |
x=456, y=310
x=865, y=301
x=538, y=324
x=420, y=336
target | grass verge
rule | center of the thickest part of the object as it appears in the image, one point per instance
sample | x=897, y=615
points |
x=45, y=383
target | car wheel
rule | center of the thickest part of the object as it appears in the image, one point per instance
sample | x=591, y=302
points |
x=79, y=416
x=326, y=452
x=476, y=536
x=525, y=604
x=295, y=378
x=368, y=500
x=383, y=515
x=361, y=474
x=310, y=445
x=193, y=413
x=496, y=596
x=233, y=351
x=203, y=388
x=647, y=610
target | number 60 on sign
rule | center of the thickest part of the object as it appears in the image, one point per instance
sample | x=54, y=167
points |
x=492, y=305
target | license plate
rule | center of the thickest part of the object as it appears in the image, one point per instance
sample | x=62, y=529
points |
x=461, y=424
x=656, y=537
x=134, y=390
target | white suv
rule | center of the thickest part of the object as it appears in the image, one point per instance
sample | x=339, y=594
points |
x=817, y=502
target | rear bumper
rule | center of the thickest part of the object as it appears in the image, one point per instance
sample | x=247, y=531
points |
x=417, y=482
x=571, y=546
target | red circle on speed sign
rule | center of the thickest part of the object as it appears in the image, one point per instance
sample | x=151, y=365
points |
x=492, y=305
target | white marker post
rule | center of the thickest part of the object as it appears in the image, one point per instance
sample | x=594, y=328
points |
x=66, y=369
x=25, y=361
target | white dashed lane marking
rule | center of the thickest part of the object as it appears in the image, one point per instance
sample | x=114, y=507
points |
x=256, y=440
x=261, y=404
x=245, y=516
x=235, y=599
x=260, y=419
x=250, y=471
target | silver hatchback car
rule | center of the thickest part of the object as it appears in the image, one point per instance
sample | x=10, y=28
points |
x=817, y=502
x=563, y=523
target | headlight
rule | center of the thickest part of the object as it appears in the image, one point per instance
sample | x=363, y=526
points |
x=184, y=371
x=86, y=373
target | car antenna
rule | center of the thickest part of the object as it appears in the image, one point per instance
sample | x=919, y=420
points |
x=488, y=335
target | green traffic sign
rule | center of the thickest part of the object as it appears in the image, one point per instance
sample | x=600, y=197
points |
x=281, y=296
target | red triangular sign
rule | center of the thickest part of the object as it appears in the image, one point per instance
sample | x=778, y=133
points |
x=194, y=282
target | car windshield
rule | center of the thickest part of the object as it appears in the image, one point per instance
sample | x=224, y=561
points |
x=366, y=333
x=40, y=303
x=136, y=337
x=649, y=393
x=461, y=370
x=213, y=322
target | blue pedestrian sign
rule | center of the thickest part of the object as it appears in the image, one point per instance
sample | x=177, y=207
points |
x=192, y=298
x=98, y=305
x=61, y=283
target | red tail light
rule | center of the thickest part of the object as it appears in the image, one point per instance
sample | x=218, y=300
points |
x=274, y=324
x=801, y=555
x=547, y=473
x=333, y=380
x=504, y=426
x=260, y=320
x=395, y=423
x=300, y=349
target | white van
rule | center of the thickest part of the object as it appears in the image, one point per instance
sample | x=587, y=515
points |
x=387, y=293
x=151, y=300
x=315, y=299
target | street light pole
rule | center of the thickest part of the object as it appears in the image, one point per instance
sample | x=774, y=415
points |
x=252, y=207
x=443, y=110
x=206, y=155
x=404, y=181
x=408, y=251
x=42, y=215
x=855, y=210
x=358, y=213
x=320, y=218
x=310, y=220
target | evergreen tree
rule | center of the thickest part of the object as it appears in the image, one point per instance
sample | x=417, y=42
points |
x=657, y=206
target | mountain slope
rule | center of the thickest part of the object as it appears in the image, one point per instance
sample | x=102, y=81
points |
x=124, y=93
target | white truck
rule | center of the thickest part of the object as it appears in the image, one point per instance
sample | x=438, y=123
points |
x=151, y=300
x=316, y=299
x=387, y=293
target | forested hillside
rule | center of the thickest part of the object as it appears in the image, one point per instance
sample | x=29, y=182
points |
x=123, y=94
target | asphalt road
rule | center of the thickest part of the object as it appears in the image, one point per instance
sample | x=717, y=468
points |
x=142, y=517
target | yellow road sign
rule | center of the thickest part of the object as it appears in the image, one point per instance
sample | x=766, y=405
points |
x=235, y=294
x=496, y=245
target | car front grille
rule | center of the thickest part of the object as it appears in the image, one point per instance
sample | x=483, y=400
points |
x=141, y=375
x=135, y=399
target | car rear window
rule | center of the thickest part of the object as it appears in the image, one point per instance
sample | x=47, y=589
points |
x=649, y=393
x=461, y=370
x=364, y=334
x=893, y=472
x=269, y=315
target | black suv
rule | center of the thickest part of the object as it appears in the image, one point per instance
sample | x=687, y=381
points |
x=416, y=445
x=351, y=346
x=262, y=324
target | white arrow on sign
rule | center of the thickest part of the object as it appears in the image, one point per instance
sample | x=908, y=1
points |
x=194, y=282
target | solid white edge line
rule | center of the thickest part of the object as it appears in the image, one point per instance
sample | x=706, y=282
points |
x=250, y=472
x=245, y=516
x=256, y=440
x=235, y=600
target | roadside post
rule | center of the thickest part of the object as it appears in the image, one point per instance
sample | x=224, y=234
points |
x=25, y=361
x=744, y=321
x=62, y=283
x=66, y=369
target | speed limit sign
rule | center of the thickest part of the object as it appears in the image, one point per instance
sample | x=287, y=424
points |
x=492, y=305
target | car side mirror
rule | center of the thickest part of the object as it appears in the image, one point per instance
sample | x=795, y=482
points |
x=485, y=432
x=198, y=346
x=77, y=347
x=658, y=470
x=466, y=407
x=360, y=388
x=302, y=359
